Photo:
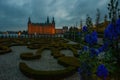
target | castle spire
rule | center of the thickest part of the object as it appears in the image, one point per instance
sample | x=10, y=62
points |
x=53, y=21
x=29, y=21
x=48, y=19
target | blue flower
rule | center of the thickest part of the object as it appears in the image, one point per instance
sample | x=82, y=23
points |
x=79, y=70
x=102, y=71
x=85, y=68
x=103, y=47
x=88, y=38
x=118, y=26
x=100, y=49
x=94, y=37
x=91, y=38
x=84, y=29
x=79, y=33
x=111, y=32
x=85, y=48
x=93, y=52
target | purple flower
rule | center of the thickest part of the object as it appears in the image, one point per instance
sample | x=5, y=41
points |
x=111, y=32
x=85, y=48
x=79, y=70
x=102, y=71
x=103, y=47
x=91, y=38
x=94, y=37
x=84, y=29
x=79, y=33
x=93, y=52
x=118, y=26
x=88, y=38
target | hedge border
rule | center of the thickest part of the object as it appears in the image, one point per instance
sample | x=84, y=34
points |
x=46, y=75
x=4, y=50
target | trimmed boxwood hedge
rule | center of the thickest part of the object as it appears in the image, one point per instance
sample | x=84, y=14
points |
x=75, y=52
x=4, y=49
x=29, y=56
x=34, y=46
x=46, y=75
x=56, y=53
x=69, y=61
x=37, y=55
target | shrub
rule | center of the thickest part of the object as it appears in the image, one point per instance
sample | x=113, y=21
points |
x=29, y=56
x=31, y=46
x=56, y=53
x=75, y=52
x=69, y=61
x=46, y=75
x=4, y=49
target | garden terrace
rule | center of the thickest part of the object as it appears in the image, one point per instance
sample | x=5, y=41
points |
x=34, y=53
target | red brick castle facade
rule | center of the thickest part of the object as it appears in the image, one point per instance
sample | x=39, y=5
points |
x=41, y=28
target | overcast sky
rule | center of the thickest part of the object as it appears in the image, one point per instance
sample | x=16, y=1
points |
x=14, y=13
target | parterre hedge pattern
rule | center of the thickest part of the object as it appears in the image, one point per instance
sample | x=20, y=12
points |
x=55, y=45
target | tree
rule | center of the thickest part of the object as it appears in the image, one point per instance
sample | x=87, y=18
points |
x=114, y=15
x=81, y=23
x=105, y=18
x=97, y=18
x=113, y=10
x=89, y=22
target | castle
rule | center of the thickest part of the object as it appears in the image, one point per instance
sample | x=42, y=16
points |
x=46, y=28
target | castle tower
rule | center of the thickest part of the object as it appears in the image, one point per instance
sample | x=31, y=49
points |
x=53, y=21
x=47, y=19
x=29, y=26
x=29, y=21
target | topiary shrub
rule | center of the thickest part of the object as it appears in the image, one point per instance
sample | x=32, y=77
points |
x=56, y=53
x=46, y=75
x=75, y=52
x=29, y=56
x=69, y=61
x=33, y=46
x=4, y=49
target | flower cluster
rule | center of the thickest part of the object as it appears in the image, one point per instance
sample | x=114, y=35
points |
x=84, y=28
x=102, y=71
x=91, y=38
x=85, y=68
x=112, y=31
x=118, y=26
x=103, y=47
x=93, y=52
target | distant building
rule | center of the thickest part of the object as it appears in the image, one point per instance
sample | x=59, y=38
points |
x=59, y=31
x=65, y=29
x=41, y=28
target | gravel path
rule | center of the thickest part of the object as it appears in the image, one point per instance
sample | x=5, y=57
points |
x=46, y=62
x=67, y=52
x=9, y=64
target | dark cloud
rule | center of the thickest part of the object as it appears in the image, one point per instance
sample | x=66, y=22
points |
x=14, y=13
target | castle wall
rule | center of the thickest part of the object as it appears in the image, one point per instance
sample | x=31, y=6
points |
x=39, y=29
